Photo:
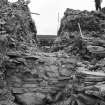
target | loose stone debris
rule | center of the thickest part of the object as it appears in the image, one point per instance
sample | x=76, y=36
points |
x=72, y=73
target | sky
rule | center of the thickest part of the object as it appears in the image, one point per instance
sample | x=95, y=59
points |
x=47, y=22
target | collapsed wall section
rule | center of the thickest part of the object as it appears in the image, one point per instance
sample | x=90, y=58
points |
x=89, y=21
x=16, y=21
x=82, y=33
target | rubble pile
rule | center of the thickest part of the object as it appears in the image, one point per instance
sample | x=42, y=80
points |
x=16, y=21
x=17, y=35
x=82, y=32
x=89, y=21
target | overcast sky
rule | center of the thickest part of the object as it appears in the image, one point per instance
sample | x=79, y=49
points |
x=47, y=21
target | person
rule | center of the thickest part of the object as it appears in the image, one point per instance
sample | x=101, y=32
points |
x=98, y=5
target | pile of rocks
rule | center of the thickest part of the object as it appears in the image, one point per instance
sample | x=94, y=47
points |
x=17, y=33
x=16, y=21
x=82, y=32
x=89, y=21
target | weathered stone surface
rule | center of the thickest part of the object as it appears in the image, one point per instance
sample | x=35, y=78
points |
x=30, y=98
x=74, y=42
x=7, y=103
